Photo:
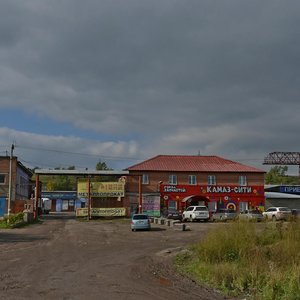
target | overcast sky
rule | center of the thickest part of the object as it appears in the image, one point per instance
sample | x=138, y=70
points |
x=121, y=81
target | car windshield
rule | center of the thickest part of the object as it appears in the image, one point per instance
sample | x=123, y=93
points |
x=140, y=217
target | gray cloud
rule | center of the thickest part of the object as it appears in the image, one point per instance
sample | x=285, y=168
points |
x=181, y=76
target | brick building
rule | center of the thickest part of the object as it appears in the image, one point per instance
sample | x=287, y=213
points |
x=176, y=181
x=21, y=185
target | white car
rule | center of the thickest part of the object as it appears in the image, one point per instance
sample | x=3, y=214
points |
x=277, y=213
x=196, y=213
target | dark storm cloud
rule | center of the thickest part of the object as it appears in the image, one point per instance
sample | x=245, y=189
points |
x=222, y=76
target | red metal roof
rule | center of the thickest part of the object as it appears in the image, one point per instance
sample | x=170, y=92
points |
x=188, y=163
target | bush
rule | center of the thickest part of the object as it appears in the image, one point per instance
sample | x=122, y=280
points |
x=12, y=221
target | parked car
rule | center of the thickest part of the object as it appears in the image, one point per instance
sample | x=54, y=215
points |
x=140, y=221
x=296, y=213
x=173, y=214
x=251, y=215
x=224, y=215
x=196, y=213
x=277, y=213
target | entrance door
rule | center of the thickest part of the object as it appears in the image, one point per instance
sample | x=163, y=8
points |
x=58, y=204
x=2, y=207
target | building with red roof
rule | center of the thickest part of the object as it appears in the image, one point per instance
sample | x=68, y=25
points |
x=174, y=182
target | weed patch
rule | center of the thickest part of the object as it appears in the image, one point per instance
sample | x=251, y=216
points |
x=241, y=260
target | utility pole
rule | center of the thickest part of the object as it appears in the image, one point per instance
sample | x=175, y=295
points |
x=10, y=180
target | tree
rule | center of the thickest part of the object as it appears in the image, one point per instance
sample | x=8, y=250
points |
x=102, y=166
x=59, y=182
x=277, y=175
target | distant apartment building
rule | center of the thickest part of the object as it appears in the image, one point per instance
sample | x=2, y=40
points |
x=21, y=185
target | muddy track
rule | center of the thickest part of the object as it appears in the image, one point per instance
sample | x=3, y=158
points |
x=62, y=258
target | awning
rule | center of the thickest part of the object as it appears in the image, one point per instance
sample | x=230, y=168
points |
x=185, y=199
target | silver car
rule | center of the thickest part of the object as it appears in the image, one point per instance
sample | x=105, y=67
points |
x=277, y=213
x=251, y=215
x=140, y=222
x=224, y=215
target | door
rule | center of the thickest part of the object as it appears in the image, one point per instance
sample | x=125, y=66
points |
x=58, y=205
x=2, y=207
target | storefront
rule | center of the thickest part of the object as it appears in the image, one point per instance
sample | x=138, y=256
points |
x=240, y=198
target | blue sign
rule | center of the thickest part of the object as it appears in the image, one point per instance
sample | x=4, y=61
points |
x=290, y=189
x=60, y=195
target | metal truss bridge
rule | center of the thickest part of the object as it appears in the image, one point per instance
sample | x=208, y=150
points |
x=283, y=158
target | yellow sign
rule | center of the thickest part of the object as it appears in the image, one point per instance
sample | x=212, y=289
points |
x=101, y=189
x=102, y=212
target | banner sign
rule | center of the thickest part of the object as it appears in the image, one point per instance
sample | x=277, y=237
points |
x=101, y=212
x=290, y=189
x=182, y=191
x=151, y=205
x=101, y=189
x=233, y=190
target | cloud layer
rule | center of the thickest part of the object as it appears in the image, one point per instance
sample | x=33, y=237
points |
x=152, y=77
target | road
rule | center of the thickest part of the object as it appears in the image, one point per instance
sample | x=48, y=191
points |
x=63, y=258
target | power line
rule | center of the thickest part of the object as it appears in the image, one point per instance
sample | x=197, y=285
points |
x=78, y=153
x=38, y=164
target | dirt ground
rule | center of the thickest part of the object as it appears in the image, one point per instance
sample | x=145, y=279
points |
x=62, y=258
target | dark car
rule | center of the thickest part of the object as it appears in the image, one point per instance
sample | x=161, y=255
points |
x=173, y=214
x=296, y=213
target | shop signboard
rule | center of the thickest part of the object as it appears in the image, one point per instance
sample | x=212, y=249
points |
x=222, y=194
x=101, y=212
x=151, y=205
x=101, y=189
x=290, y=189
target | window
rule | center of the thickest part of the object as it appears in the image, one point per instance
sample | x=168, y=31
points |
x=212, y=206
x=172, y=179
x=2, y=179
x=243, y=206
x=172, y=205
x=211, y=180
x=243, y=180
x=192, y=180
x=145, y=179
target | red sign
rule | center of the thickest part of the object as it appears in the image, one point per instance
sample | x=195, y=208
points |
x=232, y=191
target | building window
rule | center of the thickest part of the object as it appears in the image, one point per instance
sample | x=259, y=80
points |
x=243, y=206
x=172, y=205
x=192, y=180
x=145, y=179
x=211, y=180
x=243, y=180
x=2, y=179
x=212, y=206
x=172, y=179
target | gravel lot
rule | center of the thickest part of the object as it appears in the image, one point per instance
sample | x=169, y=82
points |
x=62, y=258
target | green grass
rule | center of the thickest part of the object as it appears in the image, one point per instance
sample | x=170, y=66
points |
x=12, y=220
x=257, y=261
